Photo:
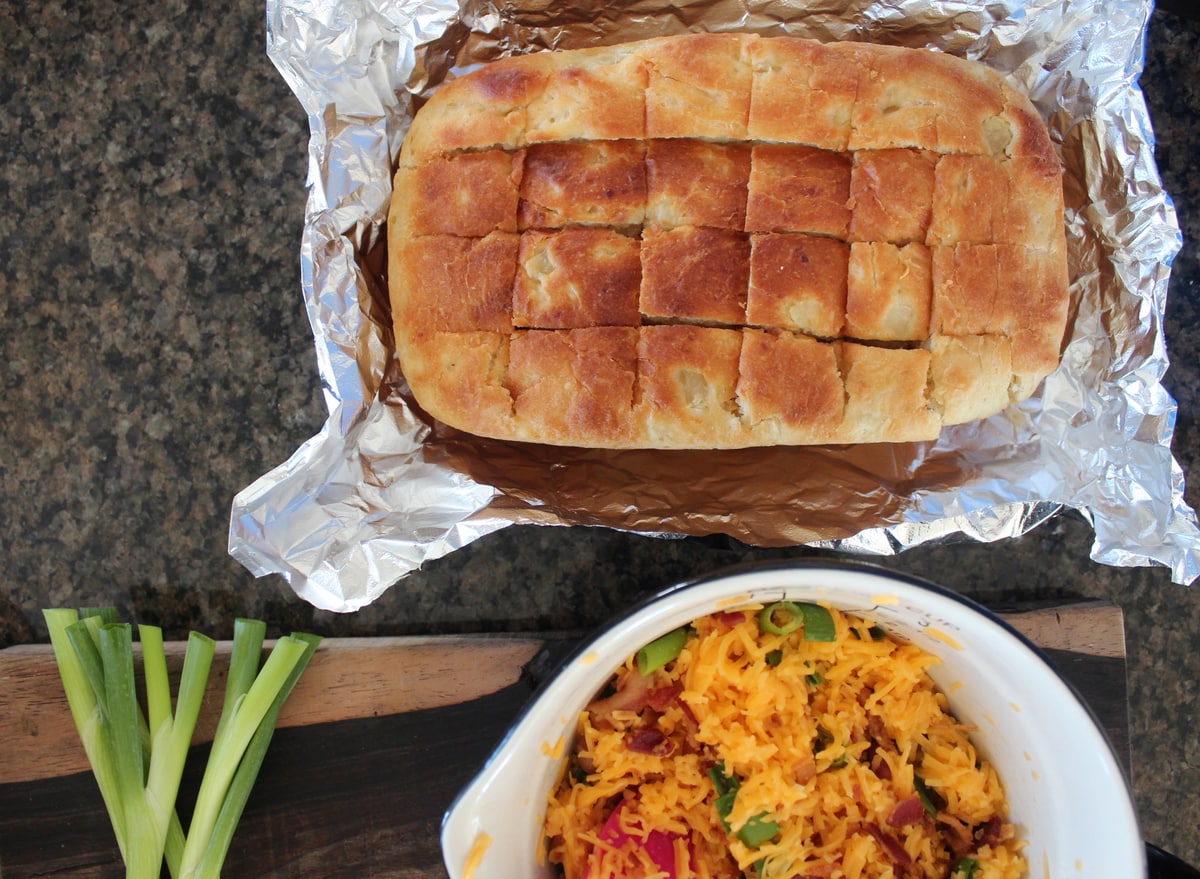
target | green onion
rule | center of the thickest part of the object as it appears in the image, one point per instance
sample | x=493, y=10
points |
x=756, y=830
x=774, y=657
x=822, y=740
x=137, y=767
x=138, y=759
x=661, y=650
x=726, y=787
x=925, y=795
x=785, y=617
x=213, y=850
x=813, y=680
x=965, y=869
x=780, y=618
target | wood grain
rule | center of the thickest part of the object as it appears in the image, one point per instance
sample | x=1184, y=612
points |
x=348, y=678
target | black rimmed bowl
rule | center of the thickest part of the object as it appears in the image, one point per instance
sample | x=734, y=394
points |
x=1066, y=792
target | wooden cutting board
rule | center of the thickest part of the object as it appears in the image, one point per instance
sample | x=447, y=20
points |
x=372, y=747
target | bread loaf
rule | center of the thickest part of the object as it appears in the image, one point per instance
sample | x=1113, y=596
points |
x=722, y=241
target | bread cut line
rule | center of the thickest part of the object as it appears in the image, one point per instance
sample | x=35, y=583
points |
x=723, y=241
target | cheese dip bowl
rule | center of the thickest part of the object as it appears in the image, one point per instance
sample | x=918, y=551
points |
x=1067, y=797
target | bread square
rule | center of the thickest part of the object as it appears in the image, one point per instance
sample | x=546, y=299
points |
x=803, y=92
x=790, y=388
x=889, y=292
x=595, y=183
x=1031, y=213
x=799, y=189
x=966, y=290
x=465, y=194
x=695, y=274
x=699, y=86
x=696, y=183
x=464, y=373
x=969, y=193
x=577, y=277
x=797, y=282
x=687, y=384
x=886, y=394
x=1036, y=312
x=970, y=376
x=577, y=385
x=891, y=195
x=924, y=99
x=453, y=284
x=484, y=109
x=598, y=96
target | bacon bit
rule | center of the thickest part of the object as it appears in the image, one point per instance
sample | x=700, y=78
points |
x=906, y=812
x=877, y=730
x=957, y=835
x=881, y=768
x=648, y=740
x=989, y=832
x=632, y=695
x=661, y=697
x=805, y=771
x=727, y=619
x=691, y=726
x=890, y=845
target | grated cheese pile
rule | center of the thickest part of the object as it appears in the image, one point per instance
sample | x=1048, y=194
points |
x=845, y=760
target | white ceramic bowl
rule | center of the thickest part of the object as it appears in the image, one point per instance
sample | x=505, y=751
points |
x=1066, y=791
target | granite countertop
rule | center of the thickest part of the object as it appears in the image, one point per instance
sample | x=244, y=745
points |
x=158, y=359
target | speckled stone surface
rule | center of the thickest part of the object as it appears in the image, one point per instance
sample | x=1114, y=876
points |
x=157, y=359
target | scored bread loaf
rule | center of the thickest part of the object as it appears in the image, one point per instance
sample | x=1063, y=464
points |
x=723, y=241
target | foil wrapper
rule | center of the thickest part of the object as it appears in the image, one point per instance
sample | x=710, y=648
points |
x=379, y=491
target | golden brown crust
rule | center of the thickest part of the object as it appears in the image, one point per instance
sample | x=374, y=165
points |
x=891, y=195
x=481, y=270
x=687, y=381
x=802, y=92
x=696, y=183
x=794, y=412
x=574, y=383
x=886, y=393
x=484, y=109
x=798, y=282
x=923, y=99
x=699, y=86
x=468, y=194
x=599, y=95
x=578, y=277
x=888, y=292
x=694, y=274
x=720, y=241
x=799, y=189
x=595, y=183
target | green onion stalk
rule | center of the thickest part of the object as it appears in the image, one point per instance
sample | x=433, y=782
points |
x=138, y=758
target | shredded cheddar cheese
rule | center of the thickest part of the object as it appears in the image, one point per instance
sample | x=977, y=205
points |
x=843, y=756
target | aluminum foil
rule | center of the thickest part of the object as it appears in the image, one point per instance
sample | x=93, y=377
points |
x=379, y=491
